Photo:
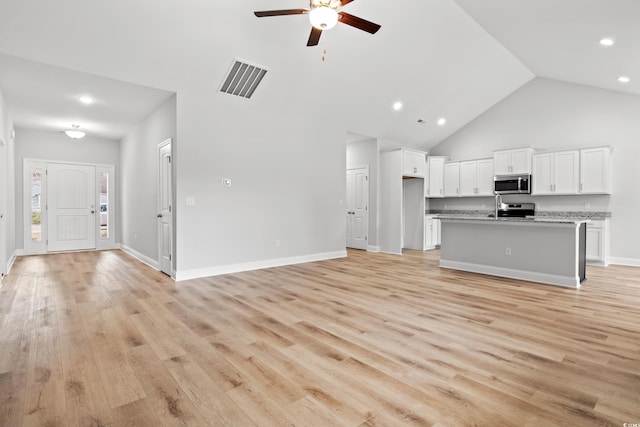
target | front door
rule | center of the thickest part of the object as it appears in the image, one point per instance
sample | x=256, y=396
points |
x=165, y=214
x=357, y=208
x=71, y=204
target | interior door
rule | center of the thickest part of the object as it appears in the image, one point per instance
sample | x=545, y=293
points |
x=357, y=208
x=3, y=202
x=165, y=214
x=71, y=207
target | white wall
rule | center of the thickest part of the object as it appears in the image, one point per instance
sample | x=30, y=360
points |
x=36, y=144
x=7, y=190
x=139, y=195
x=365, y=153
x=548, y=115
x=288, y=177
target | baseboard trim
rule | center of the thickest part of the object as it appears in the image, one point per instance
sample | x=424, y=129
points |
x=141, y=257
x=632, y=262
x=373, y=248
x=550, y=279
x=256, y=265
x=12, y=259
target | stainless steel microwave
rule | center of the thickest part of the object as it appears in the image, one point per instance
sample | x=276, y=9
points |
x=512, y=184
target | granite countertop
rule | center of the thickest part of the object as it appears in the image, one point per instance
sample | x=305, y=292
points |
x=540, y=215
x=527, y=219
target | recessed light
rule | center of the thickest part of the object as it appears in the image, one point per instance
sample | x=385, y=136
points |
x=86, y=100
x=624, y=79
x=442, y=121
x=606, y=42
x=397, y=105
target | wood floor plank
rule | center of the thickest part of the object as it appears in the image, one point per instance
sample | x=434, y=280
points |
x=100, y=339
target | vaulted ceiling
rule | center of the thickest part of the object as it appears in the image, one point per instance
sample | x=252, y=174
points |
x=450, y=59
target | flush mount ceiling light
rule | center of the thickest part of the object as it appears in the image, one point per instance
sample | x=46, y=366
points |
x=323, y=14
x=397, y=106
x=86, y=99
x=442, y=121
x=624, y=79
x=607, y=42
x=75, y=133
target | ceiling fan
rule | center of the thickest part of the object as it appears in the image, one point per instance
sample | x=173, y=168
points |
x=324, y=15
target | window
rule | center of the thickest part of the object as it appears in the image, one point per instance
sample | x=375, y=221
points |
x=104, y=205
x=36, y=204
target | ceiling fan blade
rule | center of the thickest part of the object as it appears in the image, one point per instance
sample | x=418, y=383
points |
x=314, y=37
x=264, y=13
x=345, y=2
x=359, y=23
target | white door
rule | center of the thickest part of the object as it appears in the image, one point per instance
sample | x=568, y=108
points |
x=3, y=222
x=357, y=208
x=71, y=203
x=165, y=214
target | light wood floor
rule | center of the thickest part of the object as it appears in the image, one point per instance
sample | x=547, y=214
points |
x=99, y=339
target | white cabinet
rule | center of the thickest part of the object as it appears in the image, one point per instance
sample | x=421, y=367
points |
x=431, y=232
x=476, y=177
x=555, y=173
x=516, y=161
x=598, y=242
x=413, y=163
x=434, y=178
x=401, y=203
x=595, y=170
x=452, y=179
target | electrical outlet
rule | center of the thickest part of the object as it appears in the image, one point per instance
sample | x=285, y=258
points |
x=135, y=237
x=484, y=206
x=587, y=205
x=277, y=243
x=507, y=251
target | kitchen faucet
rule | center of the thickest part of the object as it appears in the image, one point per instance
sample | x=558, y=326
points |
x=498, y=198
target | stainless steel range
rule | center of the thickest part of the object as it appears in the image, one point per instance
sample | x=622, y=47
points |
x=518, y=210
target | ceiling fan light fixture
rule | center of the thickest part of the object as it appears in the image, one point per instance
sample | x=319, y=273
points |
x=323, y=17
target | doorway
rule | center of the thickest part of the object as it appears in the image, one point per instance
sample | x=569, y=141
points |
x=357, y=207
x=165, y=211
x=68, y=206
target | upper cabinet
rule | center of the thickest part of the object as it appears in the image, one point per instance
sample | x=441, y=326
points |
x=556, y=173
x=414, y=163
x=585, y=171
x=476, y=178
x=595, y=170
x=516, y=161
x=452, y=179
x=434, y=178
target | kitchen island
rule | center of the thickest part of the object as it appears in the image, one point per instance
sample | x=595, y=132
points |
x=536, y=249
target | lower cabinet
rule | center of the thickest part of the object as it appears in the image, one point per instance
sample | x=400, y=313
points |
x=431, y=232
x=598, y=242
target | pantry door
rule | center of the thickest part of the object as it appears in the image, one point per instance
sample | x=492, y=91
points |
x=71, y=203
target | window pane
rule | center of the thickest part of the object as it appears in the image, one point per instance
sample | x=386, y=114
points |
x=104, y=205
x=36, y=204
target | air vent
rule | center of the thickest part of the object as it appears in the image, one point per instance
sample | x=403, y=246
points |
x=243, y=78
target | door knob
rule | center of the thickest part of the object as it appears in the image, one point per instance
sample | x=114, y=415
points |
x=93, y=212
x=159, y=215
